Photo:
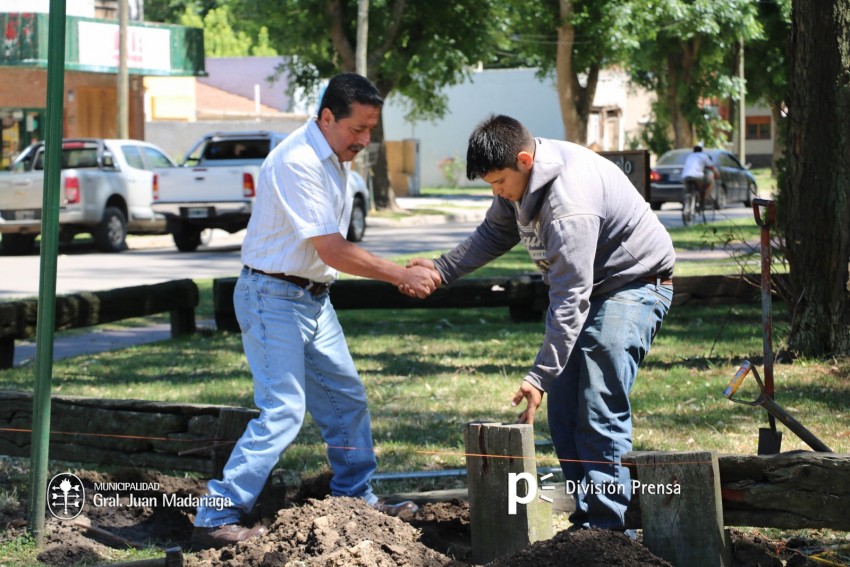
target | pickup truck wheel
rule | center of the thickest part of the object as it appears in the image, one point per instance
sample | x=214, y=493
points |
x=111, y=233
x=18, y=244
x=357, y=225
x=187, y=238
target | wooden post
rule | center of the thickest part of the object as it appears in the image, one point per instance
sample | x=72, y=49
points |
x=7, y=353
x=225, y=312
x=182, y=322
x=681, y=508
x=496, y=455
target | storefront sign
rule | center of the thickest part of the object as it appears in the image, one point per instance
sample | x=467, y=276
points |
x=147, y=48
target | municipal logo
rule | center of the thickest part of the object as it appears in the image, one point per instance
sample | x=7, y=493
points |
x=65, y=496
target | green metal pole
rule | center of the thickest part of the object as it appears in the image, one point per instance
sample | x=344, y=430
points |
x=47, y=277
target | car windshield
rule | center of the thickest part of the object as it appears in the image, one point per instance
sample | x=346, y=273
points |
x=675, y=157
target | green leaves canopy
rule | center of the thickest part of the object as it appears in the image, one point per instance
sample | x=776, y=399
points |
x=415, y=48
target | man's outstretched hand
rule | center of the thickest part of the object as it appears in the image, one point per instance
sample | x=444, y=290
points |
x=533, y=397
x=423, y=278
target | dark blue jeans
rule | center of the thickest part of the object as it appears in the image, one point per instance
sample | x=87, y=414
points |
x=589, y=411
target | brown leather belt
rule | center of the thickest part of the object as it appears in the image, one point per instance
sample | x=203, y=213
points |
x=316, y=288
x=657, y=280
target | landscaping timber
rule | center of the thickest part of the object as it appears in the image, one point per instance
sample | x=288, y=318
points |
x=179, y=298
x=126, y=432
x=495, y=451
x=526, y=296
x=681, y=511
x=793, y=490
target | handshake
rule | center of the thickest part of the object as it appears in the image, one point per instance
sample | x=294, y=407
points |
x=420, y=278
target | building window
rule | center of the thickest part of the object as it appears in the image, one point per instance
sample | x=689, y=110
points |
x=758, y=127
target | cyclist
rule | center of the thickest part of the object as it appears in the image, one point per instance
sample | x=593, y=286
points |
x=699, y=171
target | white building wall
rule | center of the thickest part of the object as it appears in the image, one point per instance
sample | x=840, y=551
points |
x=515, y=92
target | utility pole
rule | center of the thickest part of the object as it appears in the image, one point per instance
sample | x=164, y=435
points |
x=46, y=316
x=362, y=36
x=742, y=118
x=123, y=74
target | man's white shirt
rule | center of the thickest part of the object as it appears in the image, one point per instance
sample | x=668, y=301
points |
x=302, y=192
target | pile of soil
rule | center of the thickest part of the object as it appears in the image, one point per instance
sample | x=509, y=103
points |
x=331, y=531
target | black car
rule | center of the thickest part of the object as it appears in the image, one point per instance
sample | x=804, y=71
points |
x=736, y=183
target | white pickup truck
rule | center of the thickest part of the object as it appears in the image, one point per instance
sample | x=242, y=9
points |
x=216, y=186
x=106, y=190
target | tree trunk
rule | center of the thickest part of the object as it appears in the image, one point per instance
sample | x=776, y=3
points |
x=815, y=203
x=381, y=189
x=778, y=136
x=576, y=102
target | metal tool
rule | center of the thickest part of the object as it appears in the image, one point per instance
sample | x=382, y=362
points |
x=770, y=440
x=765, y=401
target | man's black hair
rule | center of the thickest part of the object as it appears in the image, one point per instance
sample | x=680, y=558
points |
x=697, y=148
x=345, y=89
x=495, y=144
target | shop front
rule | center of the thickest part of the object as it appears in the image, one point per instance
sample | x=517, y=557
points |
x=90, y=107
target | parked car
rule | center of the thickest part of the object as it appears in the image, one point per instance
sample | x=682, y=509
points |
x=736, y=183
x=106, y=191
x=216, y=186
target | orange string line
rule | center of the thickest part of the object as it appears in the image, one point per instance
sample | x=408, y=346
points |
x=374, y=449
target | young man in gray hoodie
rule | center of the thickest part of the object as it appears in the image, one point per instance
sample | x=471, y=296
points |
x=609, y=265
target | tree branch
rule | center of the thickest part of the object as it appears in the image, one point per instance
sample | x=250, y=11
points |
x=338, y=38
x=392, y=33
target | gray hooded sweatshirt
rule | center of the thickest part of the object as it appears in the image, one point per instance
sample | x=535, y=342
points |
x=588, y=230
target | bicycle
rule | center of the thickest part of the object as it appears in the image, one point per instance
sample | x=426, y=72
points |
x=694, y=205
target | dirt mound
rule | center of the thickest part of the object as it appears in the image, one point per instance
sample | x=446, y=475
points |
x=333, y=531
x=587, y=548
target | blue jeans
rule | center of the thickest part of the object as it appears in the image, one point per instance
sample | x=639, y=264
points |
x=300, y=361
x=589, y=412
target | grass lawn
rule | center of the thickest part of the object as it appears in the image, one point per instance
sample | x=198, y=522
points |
x=429, y=372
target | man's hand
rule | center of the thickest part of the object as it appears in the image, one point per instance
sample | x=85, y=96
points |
x=533, y=396
x=415, y=269
x=419, y=281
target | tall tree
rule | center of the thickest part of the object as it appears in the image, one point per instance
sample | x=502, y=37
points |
x=686, y=57
x=576, y=39
x=815, y=201
x=767, y=66
x=414, y=50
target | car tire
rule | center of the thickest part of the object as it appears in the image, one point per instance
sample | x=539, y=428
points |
x=111, y=234
x=18, y=244
x=752, y=192
x=186, y=237
x=357, y=225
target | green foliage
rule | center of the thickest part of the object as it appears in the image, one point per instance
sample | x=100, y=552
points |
x=687, y=55
x=414, y=48
x=602, y=35
x=766, y=64
x=452, y=169
x=220, y=37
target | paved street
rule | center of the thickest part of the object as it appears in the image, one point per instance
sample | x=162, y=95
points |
x=153, y=259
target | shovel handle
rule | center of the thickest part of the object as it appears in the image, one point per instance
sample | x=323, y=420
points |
x=737, y=379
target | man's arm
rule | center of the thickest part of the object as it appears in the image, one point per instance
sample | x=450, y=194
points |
x=342, y=255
